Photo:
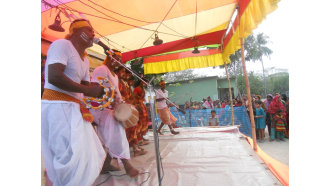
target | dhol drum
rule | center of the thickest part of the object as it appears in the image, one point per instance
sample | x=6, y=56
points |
x=126, y=114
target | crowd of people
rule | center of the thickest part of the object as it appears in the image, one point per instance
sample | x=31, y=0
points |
x=207, y=103
x=80, y=143
x=272, y=112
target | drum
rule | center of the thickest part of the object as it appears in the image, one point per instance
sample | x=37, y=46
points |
x=126, y=114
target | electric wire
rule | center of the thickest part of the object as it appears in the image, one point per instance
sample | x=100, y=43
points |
x=160, y=23
x=120, y=14
x=116, y=20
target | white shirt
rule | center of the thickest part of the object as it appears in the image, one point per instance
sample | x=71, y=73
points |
x=62, y=51
x=103, y=71
x=160, y=94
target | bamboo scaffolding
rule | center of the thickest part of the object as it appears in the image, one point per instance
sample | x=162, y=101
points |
x=230, y=96
x=253, y=128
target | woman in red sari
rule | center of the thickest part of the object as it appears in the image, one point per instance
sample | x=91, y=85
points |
x=139, y=94
x=127, y=96
x=274, y=106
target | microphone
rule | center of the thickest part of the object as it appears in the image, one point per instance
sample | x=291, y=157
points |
x=105, y=47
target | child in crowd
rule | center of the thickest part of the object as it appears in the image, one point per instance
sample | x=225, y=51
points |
x=279, y=121
x=213, y=121
x=260, y=121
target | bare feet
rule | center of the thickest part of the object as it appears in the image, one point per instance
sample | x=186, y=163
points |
x=174, y=132
x=160, y=132
x=143, y=142
x=107, y=165
x=139, y=152
x=114, y=166
x=130, y=170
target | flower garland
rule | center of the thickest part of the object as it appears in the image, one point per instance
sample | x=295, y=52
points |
x=87, y=101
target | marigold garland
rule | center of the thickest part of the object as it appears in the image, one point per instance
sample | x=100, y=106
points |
x=87, y=101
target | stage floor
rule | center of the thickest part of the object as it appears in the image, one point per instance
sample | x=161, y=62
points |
x=197, y=156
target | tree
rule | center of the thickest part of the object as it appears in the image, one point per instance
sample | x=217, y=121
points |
x=254, y=49
x=256, y=85
x=278, y=83
x=257, y=49
x=138, y=67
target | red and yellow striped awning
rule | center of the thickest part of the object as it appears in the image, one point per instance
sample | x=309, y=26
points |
x=130, y=25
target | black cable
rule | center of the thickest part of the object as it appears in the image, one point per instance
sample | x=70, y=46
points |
x=147, y=177
x=120, y=14
x=105, y=180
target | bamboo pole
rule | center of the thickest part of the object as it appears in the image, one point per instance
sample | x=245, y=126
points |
x=230, y=96
x=253, y=128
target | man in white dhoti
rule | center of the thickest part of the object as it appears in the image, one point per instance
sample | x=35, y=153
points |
x=73, y=154
x=110, y=131
x=163, y=111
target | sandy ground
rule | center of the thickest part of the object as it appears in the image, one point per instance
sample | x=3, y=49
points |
x=278, y=150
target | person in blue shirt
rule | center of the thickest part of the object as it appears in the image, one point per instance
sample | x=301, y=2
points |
x=260, y=120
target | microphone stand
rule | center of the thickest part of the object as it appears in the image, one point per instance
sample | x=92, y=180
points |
x=152, y=110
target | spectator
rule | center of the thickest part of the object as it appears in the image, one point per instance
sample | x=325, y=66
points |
x=260, y=120
x=213, y=121
x=274, y=106
x=268, y=117
x=208, y=103
x=279, y=121
x=286, y=104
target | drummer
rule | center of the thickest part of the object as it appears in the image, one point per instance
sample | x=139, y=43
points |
x=131, y=132
x=109, y=130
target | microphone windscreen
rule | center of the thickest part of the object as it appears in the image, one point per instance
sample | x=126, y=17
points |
x=96, y=40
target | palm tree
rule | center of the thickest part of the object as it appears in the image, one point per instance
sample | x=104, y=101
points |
x=258, y=49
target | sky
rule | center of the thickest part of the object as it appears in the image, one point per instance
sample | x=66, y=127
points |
x=272, y=26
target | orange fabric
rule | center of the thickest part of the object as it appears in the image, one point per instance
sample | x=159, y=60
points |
x=280, y=170
x=142, y=125
x=59, y=96
x=143, y=10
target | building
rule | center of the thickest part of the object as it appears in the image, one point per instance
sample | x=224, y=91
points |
x=199, y=88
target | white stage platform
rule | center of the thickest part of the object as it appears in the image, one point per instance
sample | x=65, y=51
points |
x=198, y=156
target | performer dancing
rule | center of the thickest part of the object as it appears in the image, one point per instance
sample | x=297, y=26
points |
x=110, y=131
x=73, y=153
x=131, y=132
x=139, y=94
x=163, y=110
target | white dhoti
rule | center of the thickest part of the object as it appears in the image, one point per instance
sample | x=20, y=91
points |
x=111, y=133
x=73, y=154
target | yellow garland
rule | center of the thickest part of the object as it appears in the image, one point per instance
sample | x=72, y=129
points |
x=105, y=96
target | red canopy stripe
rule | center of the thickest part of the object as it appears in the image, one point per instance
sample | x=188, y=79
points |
x=201, y=40
x=180, y=55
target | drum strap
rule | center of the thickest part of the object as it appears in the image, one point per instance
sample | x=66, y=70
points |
x=53, y=95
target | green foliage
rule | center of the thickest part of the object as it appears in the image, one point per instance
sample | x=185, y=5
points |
x=255, y=81
x=138, y=67
x=276, y=83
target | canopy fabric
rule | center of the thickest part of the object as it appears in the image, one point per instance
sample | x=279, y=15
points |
x=251, y=13
x=130, y=26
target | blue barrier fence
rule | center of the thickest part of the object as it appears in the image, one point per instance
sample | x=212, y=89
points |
x=197, y=118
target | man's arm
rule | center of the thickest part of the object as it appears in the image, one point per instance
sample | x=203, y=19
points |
x=57, y=78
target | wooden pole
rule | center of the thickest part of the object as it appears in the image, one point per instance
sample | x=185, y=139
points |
x=230, y=96
x=253, y=128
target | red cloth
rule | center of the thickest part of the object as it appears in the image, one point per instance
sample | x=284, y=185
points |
x=275, y=105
